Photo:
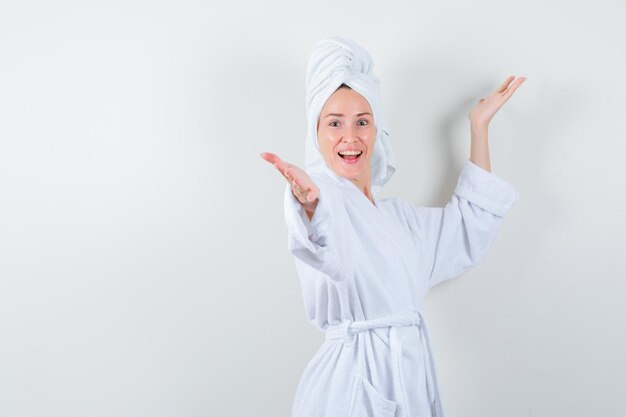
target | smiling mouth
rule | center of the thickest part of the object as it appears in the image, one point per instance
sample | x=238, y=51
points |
x=350, y=156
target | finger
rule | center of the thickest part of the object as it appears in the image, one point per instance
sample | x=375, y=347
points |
x=305, y=184
x=299, y=186
x=301, y=195
x=513, y=87
x=296, y=184
x=315, y=192
x=282, y=166
x=505, y=84
x=270, y=157
x=278, y=163
x=288, y=174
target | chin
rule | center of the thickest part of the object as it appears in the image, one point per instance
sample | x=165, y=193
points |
x=351, y=174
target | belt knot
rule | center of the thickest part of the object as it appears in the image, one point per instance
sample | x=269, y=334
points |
x=348, y=329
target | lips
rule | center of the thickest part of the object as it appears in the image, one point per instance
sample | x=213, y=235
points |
x=350, y=156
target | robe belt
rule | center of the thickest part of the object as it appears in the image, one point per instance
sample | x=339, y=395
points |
x=348, y=329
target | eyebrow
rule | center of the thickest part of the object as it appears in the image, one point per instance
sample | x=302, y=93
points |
x=342, y=115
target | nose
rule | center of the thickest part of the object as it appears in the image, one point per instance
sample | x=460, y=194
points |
x=350, y=135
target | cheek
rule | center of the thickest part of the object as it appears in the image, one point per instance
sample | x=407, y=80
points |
x=371, y=143
x=326, y=145
x=326, y=140
x=370, y=140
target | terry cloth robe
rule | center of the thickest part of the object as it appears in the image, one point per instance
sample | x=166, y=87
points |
x=364, y=271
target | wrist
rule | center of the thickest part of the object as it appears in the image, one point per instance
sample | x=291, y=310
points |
x=479, y=126
x=479, y=133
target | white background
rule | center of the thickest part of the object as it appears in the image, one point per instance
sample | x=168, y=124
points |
x=144, y=268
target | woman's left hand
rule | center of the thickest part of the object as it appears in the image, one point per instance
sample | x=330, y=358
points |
x=488, y=106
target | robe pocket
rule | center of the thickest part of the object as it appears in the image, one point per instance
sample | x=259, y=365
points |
x=366, y=401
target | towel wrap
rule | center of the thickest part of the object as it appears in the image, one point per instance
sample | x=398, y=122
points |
x=340, y=60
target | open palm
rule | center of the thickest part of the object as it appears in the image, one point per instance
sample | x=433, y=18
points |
x=488, y=106
x=303, y=187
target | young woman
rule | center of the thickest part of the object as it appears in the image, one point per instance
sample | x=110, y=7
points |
x=366, y=264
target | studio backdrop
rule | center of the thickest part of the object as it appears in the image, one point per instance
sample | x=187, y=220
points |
x=144, y=268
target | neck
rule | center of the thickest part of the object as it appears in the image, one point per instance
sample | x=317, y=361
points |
x=365, y=186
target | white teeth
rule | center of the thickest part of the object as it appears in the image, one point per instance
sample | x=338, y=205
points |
x=350, y=152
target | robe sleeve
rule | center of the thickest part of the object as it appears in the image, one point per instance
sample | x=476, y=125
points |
x=456, y=237
x=316, y=242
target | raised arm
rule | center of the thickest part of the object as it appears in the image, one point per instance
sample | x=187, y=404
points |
x=311, y=214
x=456, y=237
x=481, y=115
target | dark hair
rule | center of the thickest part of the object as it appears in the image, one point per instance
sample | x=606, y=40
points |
x=344, y=86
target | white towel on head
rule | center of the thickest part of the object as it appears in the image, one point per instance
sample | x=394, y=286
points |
x=335, y=61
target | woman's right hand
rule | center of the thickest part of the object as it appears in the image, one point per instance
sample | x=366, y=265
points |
x=303, y=188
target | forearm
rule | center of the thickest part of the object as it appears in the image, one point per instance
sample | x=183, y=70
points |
x=479, y=149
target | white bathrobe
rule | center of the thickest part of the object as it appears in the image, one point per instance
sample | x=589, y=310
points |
x=375, y=263
x=365, y=269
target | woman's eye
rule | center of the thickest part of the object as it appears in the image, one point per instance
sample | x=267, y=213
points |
x=331, y=123
x=363, y=120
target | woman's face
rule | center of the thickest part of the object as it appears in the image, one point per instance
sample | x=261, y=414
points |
x=346, y=124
